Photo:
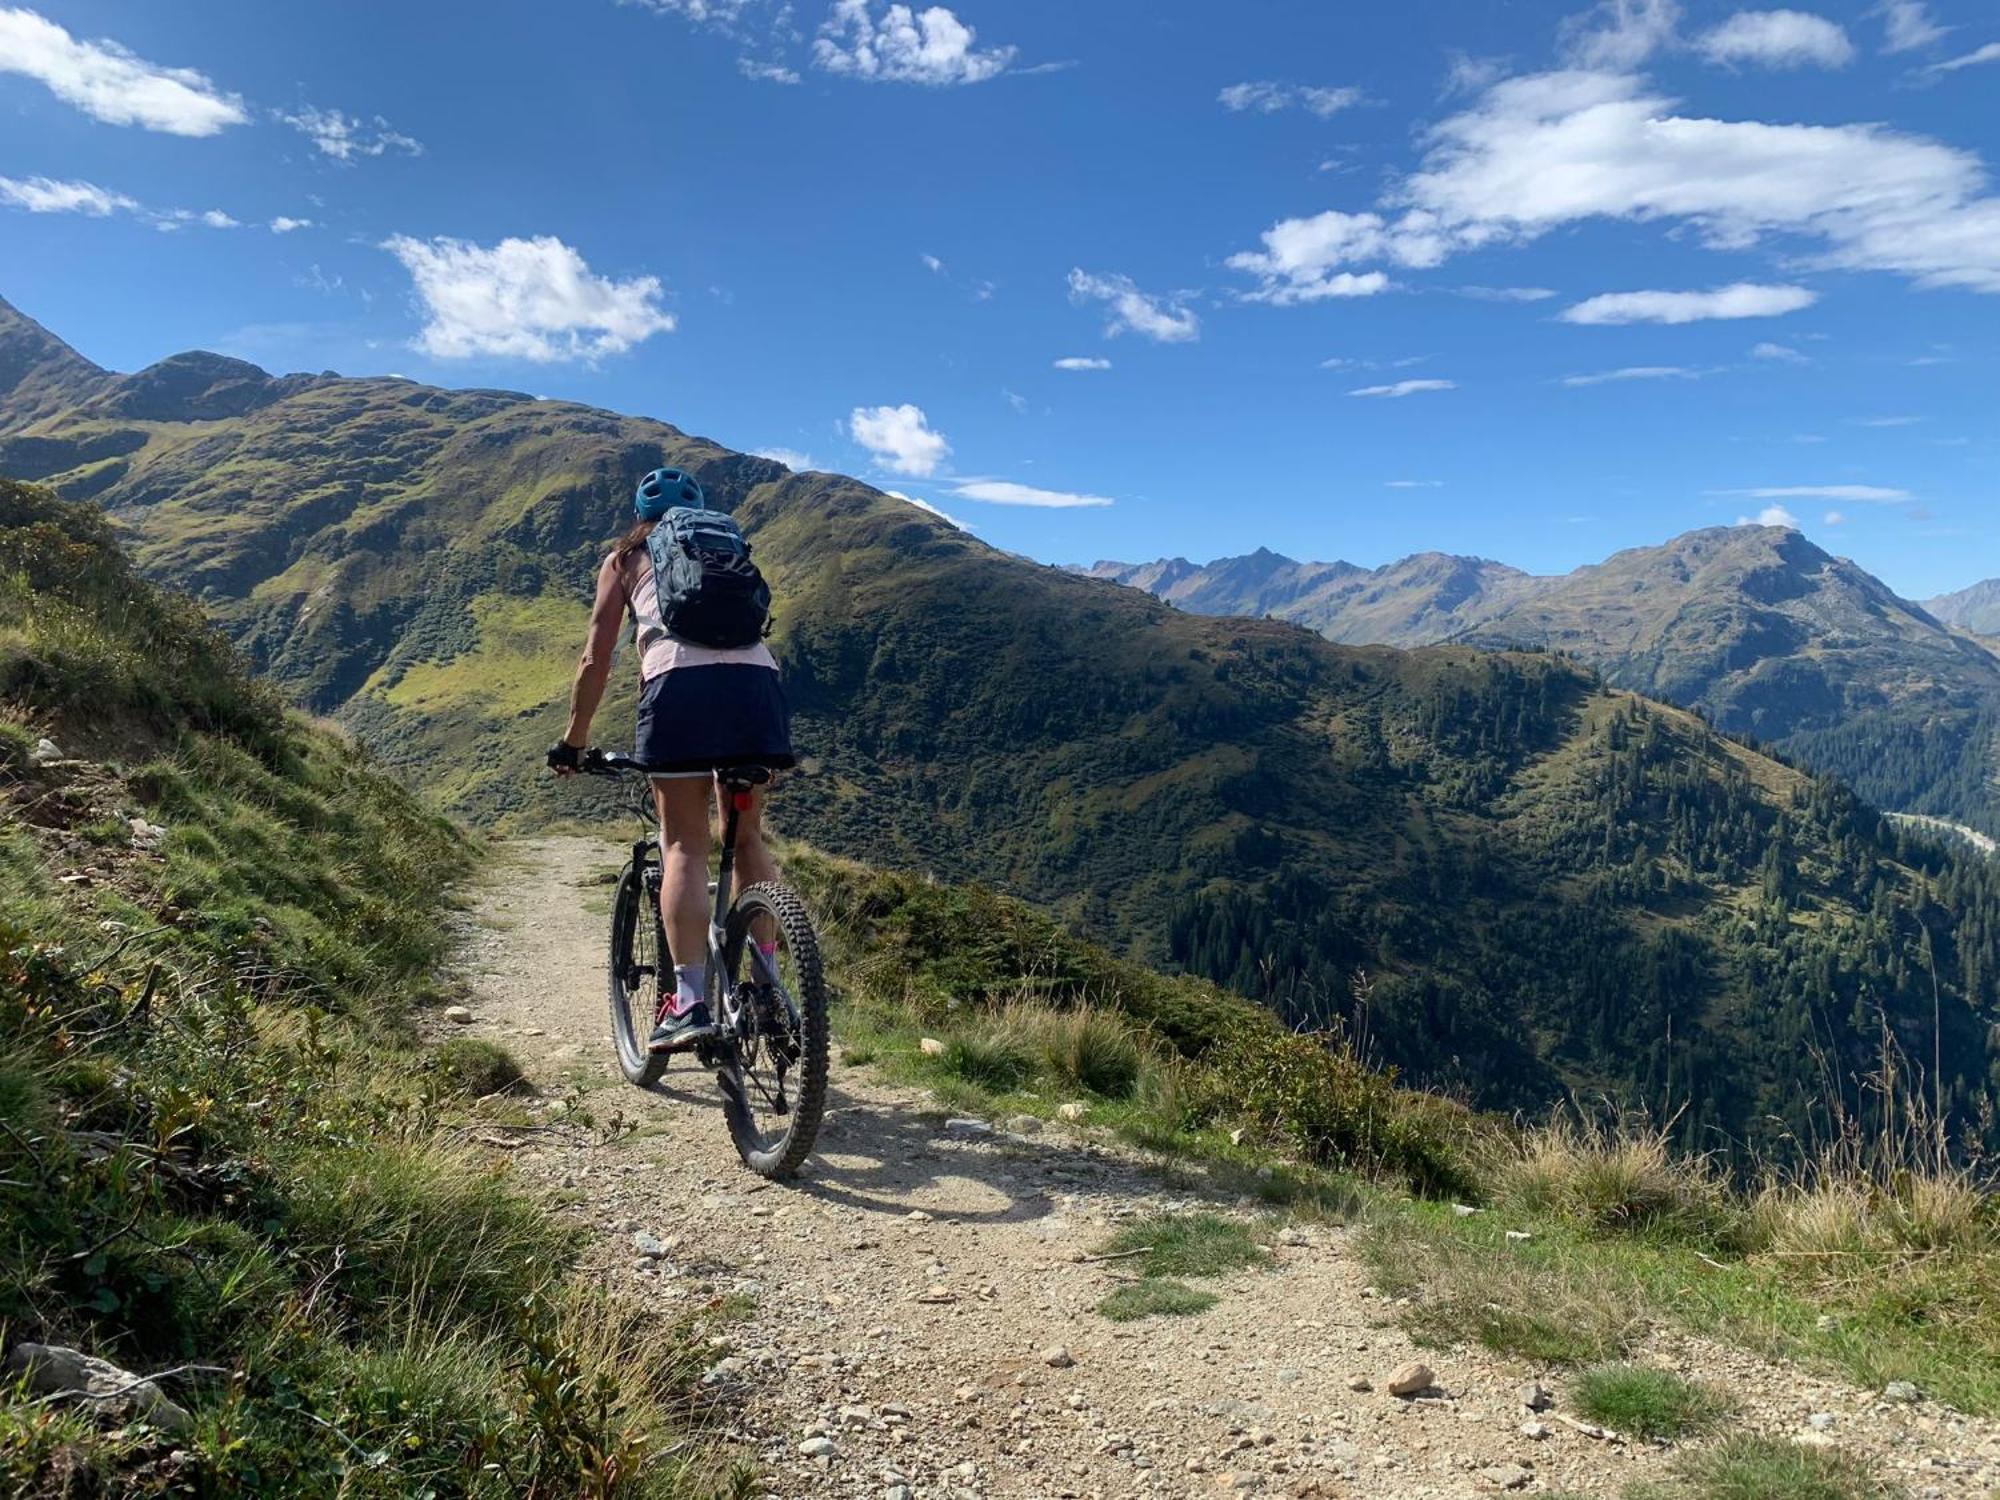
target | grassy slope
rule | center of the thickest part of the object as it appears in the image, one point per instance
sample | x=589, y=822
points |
x=1875, y=1266
x=1237, y=797
x=219, y=1134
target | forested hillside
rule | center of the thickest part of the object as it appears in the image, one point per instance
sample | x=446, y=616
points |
x=1511, y=879
x=1763, y=632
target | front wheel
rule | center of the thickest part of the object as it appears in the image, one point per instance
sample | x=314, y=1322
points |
x=635, y=971
x=775, y=1031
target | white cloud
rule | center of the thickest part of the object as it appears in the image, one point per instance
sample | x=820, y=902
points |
x=791, y=458
x=932, y=264
x=1541, y=152
x=285, y=225
x=1619, y=33
x=1538, y=153
x=1082, y=362
x=1778, y=39
x=1783, y=353
x=925, y=505
x=929, y=47
x=703, y=12
x=901, y=437
x=108, y=83
x=1406, y=388
x=1770, y=515
x=1990, y=53
x=1414, y=484
x=1834, y=518
x=1634, y=372
x=1742, y=300
x=766, y=72
x=1507, y=293
x=1867, y=494
x=345, y=137
x=1907, y=25
x=45, y=195
x=180, y=218
x=1001, y=492
x=532, y=299
x=1300, y=257
x=1165, y=320
x=1269, y=98
x=1887, y=421
x=1467, y=74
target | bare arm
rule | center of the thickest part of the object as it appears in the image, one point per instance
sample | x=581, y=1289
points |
x=593, y=669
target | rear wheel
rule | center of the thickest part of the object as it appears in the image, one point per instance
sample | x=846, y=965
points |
x=635, y=973
x=774, y=1026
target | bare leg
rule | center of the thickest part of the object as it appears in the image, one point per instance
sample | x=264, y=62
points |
x=684, y=835
x=754, y=864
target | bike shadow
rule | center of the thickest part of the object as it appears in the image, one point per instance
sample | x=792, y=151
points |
x=885, y=1158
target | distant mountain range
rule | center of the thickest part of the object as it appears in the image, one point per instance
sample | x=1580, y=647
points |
x=1754, y=626
x=1548, y=884
x=1976, y=609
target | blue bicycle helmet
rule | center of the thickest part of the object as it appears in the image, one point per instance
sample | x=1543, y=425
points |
x=663, y=489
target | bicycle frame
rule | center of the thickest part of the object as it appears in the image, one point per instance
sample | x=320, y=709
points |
x=721, y=890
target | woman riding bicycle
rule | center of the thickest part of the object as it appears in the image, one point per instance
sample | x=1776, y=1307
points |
x=702, y=709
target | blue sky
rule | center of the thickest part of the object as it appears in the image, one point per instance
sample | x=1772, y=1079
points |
x=1527, y=280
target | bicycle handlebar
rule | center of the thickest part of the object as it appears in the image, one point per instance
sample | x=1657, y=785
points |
x=595, y=762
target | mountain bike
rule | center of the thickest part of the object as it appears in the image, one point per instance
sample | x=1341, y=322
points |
x=769, y=1051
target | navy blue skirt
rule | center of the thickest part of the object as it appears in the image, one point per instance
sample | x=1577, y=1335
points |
x=712, y=717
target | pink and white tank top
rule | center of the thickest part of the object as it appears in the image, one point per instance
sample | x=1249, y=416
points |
x=660, y=652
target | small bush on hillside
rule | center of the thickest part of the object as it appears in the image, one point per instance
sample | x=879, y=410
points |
x=476, y=1066
x=1622, y=1176
x=1746, y=1467
x=1000, y=1062
x=1645, y=1402
x=1313, y=1093
x=1082, y=1049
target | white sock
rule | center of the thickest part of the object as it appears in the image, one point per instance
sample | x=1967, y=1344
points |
x=690, y=986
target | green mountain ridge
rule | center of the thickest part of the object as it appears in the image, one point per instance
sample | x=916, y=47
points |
x=1756, y=627
x=1515, y=881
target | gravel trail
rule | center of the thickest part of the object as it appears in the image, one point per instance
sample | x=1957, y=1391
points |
x=923, y=1324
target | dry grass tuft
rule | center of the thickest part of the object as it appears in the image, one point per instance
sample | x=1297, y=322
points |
x=1621, y=1175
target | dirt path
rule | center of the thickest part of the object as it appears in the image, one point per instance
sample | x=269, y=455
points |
x=909, y=1289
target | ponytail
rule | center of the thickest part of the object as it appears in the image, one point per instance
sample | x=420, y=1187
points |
x=632, y=541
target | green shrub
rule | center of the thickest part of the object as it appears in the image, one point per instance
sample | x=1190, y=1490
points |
x=998, y=1062
x=1095, y=1050
x=1313, y=1093
x=1154, y=1298
x=476, y=1066
x=1644, y=1401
